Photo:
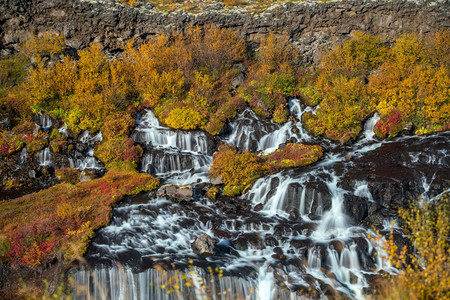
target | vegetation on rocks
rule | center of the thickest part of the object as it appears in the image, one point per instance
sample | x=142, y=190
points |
x=239, y=171
x=61, y=220
x=424, y=270
x=407, y=83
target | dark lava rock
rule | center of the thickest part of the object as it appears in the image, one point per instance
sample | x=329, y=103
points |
x=204, y=245
x=248, y=239
x=175, y=192
x=355, y=207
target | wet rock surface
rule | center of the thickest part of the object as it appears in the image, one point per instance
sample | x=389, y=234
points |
x=204, y=246
x=178, y=193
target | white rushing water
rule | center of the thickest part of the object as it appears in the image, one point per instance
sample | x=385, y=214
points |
x=45, y=157
x=297, y=237
x=249, y=133
x=180, y=157
x=46, y=122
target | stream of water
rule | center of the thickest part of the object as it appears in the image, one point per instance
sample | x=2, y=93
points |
x=298, y=240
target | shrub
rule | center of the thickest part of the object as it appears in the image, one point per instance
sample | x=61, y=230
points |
x=36, y=144
x=281, y=114
x=293, y=155
x=119, y=148
x=212, y=193
x=344, y=106
x=46, y=43
x=118, y=124
x=10, y=144
x=68, y=175
x=240, y=170
x=355, y=57
x=424, y=269
x=185, y=118
x=237, y=170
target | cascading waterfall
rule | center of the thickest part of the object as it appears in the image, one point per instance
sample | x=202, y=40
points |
x=23, y=155
x=248, y=132
x=177, y=156
x=45, y=157
x=46, y=122
x=298, y=234
x=150, y=132
x=86, y=160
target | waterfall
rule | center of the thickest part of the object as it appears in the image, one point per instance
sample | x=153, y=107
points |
x=150, y=132
x=179, y=157
x=249, y=133
x=46, y=122
x=296, y=236
x=368, y=134
x=87, y=138
x=45, y=157
x=23, y=155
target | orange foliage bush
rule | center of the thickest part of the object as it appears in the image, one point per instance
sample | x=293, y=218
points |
x=416, y=81
x=240, y=170
x=45, y=44
x=293, y=155
x=237, y=170
x=185, y=118
x=345, y=104
x=355, y=57
x=425, y=269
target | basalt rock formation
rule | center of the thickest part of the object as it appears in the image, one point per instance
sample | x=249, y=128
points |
x=308, y=25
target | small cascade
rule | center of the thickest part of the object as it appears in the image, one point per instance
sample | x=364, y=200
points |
x=64, y=130
x=249, y=133
x=368, y=134
x=161, y=162
x=180, y=157
x=314, y=260
x=297, y=111
x=362, y=190
x=117, y=283
x=87, y=138
x=45, y=157
x=23, y=155
x=334, y=221
x=150, y=133
x=45, y=122
x=87, y=162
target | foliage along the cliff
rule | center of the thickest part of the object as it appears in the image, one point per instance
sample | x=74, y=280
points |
x=117, y=146
x=425, y=270
x=239, y=171
x=62, y=219
x=199, y=79
x=407, y=83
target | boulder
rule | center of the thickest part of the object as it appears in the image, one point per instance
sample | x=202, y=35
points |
x=176, y=192
x=204, y=245
x=216, y=180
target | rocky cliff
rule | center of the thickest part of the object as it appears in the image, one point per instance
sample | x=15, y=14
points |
x=308, y=25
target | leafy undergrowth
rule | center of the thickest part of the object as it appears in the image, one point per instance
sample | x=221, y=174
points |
x=239, y=171
x=407, y=83
x=424, y=270
x=293, y=155
x=61, y=220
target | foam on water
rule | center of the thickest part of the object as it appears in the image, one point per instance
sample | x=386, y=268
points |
x=299, y=237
